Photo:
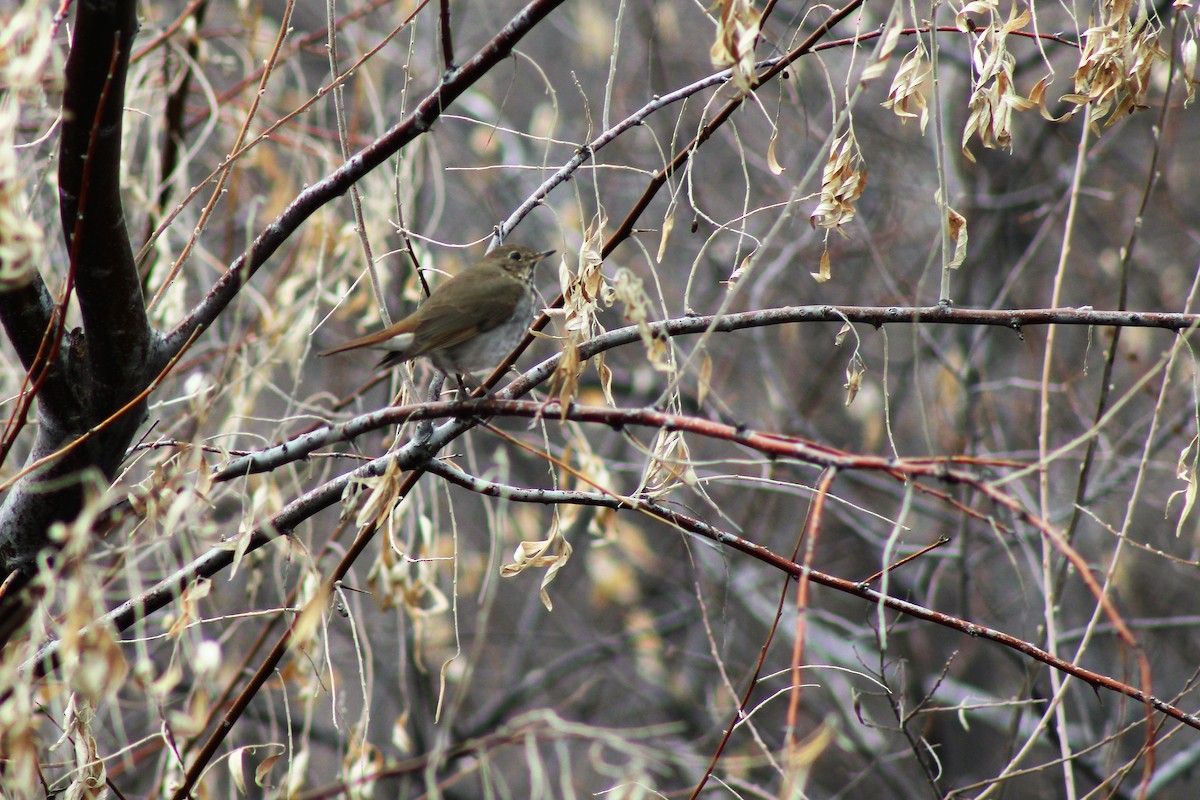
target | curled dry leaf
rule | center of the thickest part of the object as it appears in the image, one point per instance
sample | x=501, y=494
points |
x=772, y=160
x=738, y=272
x=551, y=554
x=667, y=226
x=89, y=777
x=1187, y=60
x=956, y=224
x=314, y=597
x=188, y=607
x=236, y=765
x=855, y=371
x=262, y=772
x=825, y=270
x=1185, y=470
x=962, y=18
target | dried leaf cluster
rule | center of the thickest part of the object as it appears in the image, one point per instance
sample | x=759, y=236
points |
x=1118, y=56
x=737, y=31
x=842, y=182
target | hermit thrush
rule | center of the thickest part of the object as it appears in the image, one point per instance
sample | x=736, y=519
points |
x=470, y=322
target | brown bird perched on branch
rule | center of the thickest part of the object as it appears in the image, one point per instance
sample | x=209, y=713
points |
x=470, y=322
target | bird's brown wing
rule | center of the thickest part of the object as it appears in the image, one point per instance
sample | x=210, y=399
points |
x=444, y=323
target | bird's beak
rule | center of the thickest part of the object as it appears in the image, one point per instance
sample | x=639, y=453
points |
x=545, y=254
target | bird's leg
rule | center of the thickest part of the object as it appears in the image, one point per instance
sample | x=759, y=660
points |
x=467, y=384
x=425, y=427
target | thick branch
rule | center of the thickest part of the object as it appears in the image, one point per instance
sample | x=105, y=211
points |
x=102, y=271
x=89, y=170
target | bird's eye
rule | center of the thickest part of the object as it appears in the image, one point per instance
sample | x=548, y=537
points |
x=515, y=255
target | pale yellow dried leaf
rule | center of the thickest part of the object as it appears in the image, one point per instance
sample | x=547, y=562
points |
x=994, y=97
x=241, y=544
x=189, y=607
x=1038, y=96
x=772, y=160
x=297, y=773
x=982, y=7
x=584, y=293
x=891, y=36
x=162, y=686
x=360, y=769
x=309, y=621
x=263, y=770
x=1187, y=59
x=704, y=379
x=957, y=226
x=384, y=494
x=1016, y=20
x=401, y=740
x=668, y=225
x=564, y=383
x=236, y=767
x=88, y=780
x=737, y=273
x=591, y=470
x=1185, y=470
x=606, y=377
x=825, y=270
x=855, y=371
x=189, y=722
